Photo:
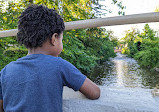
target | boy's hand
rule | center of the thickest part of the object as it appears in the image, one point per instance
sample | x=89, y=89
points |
x=1, y=106
x=90, y=89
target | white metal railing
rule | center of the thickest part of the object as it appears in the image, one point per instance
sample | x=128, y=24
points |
x=109, y=21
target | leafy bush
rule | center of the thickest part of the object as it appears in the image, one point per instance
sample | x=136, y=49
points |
x=125, y=50
x=133, y=50
x=148, y=58
x=15, y=53
x=84, y=51
x=11, y=54
x=99, y=44
x=144, y=47
x=74, y=51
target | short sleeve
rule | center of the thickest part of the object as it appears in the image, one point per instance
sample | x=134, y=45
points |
x=72, y=77
x=1, y=98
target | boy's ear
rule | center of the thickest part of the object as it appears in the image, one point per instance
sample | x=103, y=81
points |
x=53, y=39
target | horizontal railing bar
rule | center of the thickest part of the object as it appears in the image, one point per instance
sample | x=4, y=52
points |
x=99, y=22
x=8, y=33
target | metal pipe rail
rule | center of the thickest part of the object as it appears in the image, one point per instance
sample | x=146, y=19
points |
x=109, y=21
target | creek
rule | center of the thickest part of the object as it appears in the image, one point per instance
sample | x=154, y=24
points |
x=124, y=72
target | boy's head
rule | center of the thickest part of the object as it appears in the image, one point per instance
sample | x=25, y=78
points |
x=39, y=24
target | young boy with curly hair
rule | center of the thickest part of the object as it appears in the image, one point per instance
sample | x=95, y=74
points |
x=34, y=83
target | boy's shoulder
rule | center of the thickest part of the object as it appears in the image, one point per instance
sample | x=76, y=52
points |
x=39, y=60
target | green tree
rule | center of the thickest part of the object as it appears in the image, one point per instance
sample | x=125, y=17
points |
x=144, y=47
x=112, y=38
x=130, y=40
x=148, y=33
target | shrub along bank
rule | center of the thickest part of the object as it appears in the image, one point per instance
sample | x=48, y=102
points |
x=144, y=47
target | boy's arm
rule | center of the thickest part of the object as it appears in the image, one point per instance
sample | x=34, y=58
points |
x=90, y=89
x=1, y=106
x=74, y=79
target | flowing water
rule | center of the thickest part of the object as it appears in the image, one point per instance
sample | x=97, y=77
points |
x=122, y=71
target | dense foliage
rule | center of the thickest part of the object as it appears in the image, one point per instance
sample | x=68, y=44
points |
x=84, y=47
x=144, y=47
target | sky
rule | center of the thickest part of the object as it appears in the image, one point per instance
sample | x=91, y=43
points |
x=132, y=7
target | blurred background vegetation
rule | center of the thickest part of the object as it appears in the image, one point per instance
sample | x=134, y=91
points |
x=143, y=46
x=85, y=48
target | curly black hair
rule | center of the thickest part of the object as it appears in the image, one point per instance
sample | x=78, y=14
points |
x=37, y=24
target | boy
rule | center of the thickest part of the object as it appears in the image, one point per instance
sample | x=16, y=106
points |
x=34, y=83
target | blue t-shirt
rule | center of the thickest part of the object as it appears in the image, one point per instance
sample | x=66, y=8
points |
x=34, y=83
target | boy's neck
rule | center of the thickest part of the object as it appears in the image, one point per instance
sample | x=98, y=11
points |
x=39, y=50
x=32, y=51
x=46, y=49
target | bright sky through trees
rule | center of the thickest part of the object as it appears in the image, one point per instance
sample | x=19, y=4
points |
x=132, y=7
